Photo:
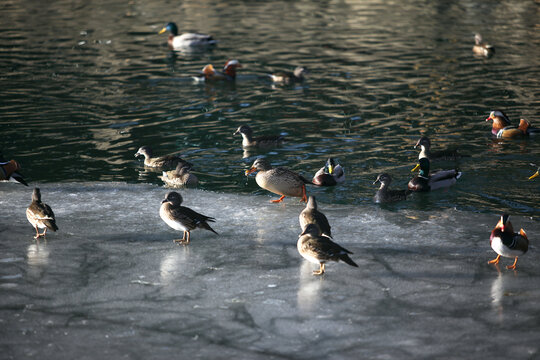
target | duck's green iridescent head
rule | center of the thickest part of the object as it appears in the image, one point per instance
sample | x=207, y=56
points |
x=424, y=167
x=171, y=28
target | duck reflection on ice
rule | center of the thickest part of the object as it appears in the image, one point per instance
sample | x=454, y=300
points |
x=37, y=258
x=307, y=297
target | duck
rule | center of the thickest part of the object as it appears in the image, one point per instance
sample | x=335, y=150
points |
x=536, y=174
x=505, y=242
x=320, y=249
x=330, y=174
x=503, y=128
x=40, y=215
x=182, y=218
x=186, y=41
x=425, y=181
x=10, y=170
x=166, y=161
x=209, y=73
x=260, y=141
x=310, y=215
x=287, y=77
x=425, y=151
x=384, y=195
x=481, y=48
x=279, y=180
x=180, y=176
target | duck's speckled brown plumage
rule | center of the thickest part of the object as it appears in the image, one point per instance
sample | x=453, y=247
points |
x=40, y=215
x=180, y=176
x=311, y=215
x=166, y=161
x=384, y=195
x=248, y=140
x=279, y=180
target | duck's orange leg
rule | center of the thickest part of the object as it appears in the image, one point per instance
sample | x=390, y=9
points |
x=183, y=239
x=37, y=233
x=304, y=195
x=495, y=261
x=513, y=266
x=278, y=200
x=321, y=270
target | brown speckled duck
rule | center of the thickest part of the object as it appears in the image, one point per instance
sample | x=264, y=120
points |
x=320, y=249
x=384, y=195
x=182, y=218
x=503, y=128
x=310, y=215
x=279, y=180
x=481, y=48
x=505, y=242
x=180, y=176
x=40, y=215
x=167, y=161
x=330, y=174
x=287, y=77
x=260, y=141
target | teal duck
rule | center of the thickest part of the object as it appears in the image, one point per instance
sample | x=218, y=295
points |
x=505, y=242
x=311, y=215
x=182, y=218
x=384, y=195
x=319, y=249
x=40, y=215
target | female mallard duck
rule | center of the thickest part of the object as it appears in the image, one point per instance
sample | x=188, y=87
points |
x=481, y=48
x=506, y=242
x=10, y=170
x=186, y=41
x=161, y=161
x=260, y=141
x=536, y=174
x=180, y=176
x=319, y=249
x=503, y=128
x=428, y=182
x=182, y=218
x=425, y=151
x=329, y=175
x=209, y=74
x=287, y=77
x=310, y=215
x=384, y=195
x=279, y=180
x=40, y=215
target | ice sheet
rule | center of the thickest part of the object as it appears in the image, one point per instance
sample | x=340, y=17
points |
x=112, y=284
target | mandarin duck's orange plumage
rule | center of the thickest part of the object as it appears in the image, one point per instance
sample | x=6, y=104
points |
x=503, y=128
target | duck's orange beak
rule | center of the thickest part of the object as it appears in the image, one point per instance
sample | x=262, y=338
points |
x=162, y=31
x=253, y=169
x=536, y=174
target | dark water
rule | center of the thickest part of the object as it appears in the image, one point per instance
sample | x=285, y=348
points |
x=83, y=84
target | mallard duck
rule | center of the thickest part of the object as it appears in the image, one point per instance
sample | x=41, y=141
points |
x=279, y=180
x=428, y=182
x=536, y=174
x=506, y=242
x=260, y=141
x=186, y=41
x=287, y=77
x=330, y=174
x=180, y=176
x=310, y=215
x=481, y=48
x=167, y=161
x=384, y=195
x=209, y=74
x=40, y=215
x=319, y=249
x=182, y=218
x=10, y=170
x=503, y=128
x=425, y=151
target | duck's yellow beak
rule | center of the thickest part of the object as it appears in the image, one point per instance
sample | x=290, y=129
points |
x=253, y=169
x=416, y=167
x=536, y=174
x=162, y=31
x=330, y=169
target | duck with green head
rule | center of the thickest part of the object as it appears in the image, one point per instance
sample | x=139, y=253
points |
x=425, y=181
x=186, y=41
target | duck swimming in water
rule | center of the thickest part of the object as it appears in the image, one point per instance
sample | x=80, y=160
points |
x=536, y=174
x=287, y=77
x=503, y=128
x=260, y=141
x=186, y=41
x=384, y=195
x=330, y=174
x=425, y=181
x=209, y=74
x=425, y=151
x=10, y=170
x=481, y=48
x=161, y=161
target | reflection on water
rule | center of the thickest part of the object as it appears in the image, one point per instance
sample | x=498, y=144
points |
x=37, y=258
x=104, y=83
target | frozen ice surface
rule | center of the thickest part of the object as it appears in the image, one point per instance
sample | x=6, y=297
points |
x=112, y=284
